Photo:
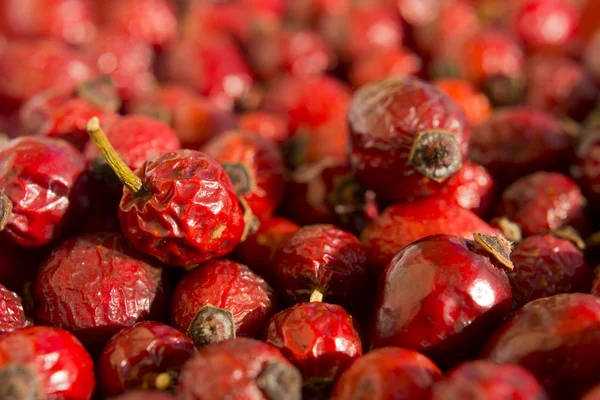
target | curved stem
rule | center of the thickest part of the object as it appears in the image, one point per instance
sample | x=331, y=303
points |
x=5, y=210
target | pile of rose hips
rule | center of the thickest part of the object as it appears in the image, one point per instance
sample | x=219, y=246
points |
x=299, y=199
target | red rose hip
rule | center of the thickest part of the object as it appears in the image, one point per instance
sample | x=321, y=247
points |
x=12, y=316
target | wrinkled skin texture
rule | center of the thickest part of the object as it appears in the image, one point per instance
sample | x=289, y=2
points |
x=258, y=250
x=228, y=285
x=144, y=348
x=385, y=119
x=63, y=367
x=227, y=369
x=323, y=258
x=555, y=338
x=379, y=65
x=266, y=125
x=45, y=181
x=97, y=284
x=439, y=297
x=12, y=316
x=518, y=141
x=320, y=339
x=483, y=379
x=542, y=202
x=402, y=224
x=389, y=373
x=192, y=213
x=546, y=265
x=474, y=103
x=262, y=160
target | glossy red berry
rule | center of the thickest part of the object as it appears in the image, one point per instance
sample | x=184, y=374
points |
x=221, y=299
x=379, y=65
x=44, y=190
x=12, y=315
x=474, y=103
x=242, y=368
x=404, y=133
x=266, y=125
x=461, y=297
x=488, y=380
x=556, y=339
x=402, y=224
x=387, y=373
x=41, y=362
x=94, y=285
x=145, y=355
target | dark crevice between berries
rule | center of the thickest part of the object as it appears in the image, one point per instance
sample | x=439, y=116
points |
x=102, y=172
x=569, y=233
x=280, y=381
x=157, y=112
x=241, y=177
x=436, y=154
x=497, y=247
x=505, y=90
x=354, y=205
x=211, y=325
x=294, y=149
x=5, y=210
x=101, y=93
x=510, y=229
x=251, y=222
x=19, y=382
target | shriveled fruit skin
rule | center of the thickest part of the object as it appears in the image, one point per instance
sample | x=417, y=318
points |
x=62, y=366
x=193, y=189
x=419, y=285
x=140, y=350
x=404, y=223
x=369, y=377
x=487, y=380
x=385, y=119
x=12, y=315
x=97, y=284
x=555, y=338
x=46, y=184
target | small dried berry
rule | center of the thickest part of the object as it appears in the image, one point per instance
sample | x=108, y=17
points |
x=12, y=316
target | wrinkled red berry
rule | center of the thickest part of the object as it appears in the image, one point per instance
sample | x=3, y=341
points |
x=379, y=65
x=266, y=125
x=147, y=354
x=12, y=316
x=555, y=338
x=94, y=285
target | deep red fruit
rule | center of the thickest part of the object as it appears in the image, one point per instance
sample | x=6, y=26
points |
x=323, y=259
x=404, y=133
x=519, y=141
x=401, y=224
x=41, y=362
x=203, y=18
x=224, y=291
x=546, y=265
x=194, y=118
x=94, y=285
x=461, y=296
x=255, y=167
x=557, y=339
x=241, y=368
x=145, y=395
x=593, y=394
x=543, y=202
x=474, y=103
x=12, y=316
x=586, y=169
x=266, y=125
x=487, y=380
x=148, y=355
x=44, y=182
x=387, y=373
x=18, y=267
x=258, y=249
x=591, y=57
x=596, y=285
x=320, y=339
x=379, y=65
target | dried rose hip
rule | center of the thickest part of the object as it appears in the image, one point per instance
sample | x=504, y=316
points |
x=404, y=133
x=179, y=207
x=222, y=299
x=586, y=169
x=42, y=362
x=542, y=202
x=266, y=125
x=322, y=261
x=379, y=65
x=241, y=368
x=401, y=224
x=44, y=190
x=487, y=380
x=203, y=18
x=12, y=315
x=96, y=284
x=557, y=339
x=546, y=265
x=369, y=376
x=255, y=167
x=474, y=103
x=147, y=355
x=449, y=270
x=145, y=395
x=519, y=141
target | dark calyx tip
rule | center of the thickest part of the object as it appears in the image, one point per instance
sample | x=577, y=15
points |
x=280, y=381
x=496, y=246
x=511, y=230
x=101, y=93
x=5, y=210
x=569, y=233
x=241, y=177
x=436, y=154
x=505, y=90
x=19, y=382
x=211, y=325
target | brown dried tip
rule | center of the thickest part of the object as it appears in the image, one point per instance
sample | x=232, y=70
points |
x=436, y=154
x=316, y=296
x=496, y=246
x=241, y=177
x=100, y=92
x=5, y=210
x=504, y=90
x=211, y=325
x=164, y=381
x=251, y=222
x=510, y=230
x=571, y=234
x=280, y=381
x=18, y=382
